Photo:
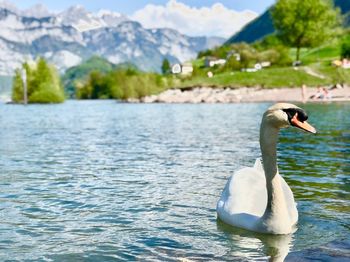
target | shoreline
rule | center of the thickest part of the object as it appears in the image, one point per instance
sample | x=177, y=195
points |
x=210, y=95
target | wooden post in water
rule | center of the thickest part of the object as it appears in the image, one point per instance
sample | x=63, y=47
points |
x=25, y=92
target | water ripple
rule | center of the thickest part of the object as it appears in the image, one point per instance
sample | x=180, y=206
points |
x=102, y=181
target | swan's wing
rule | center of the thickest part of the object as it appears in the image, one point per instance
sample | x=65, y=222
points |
x=245, y=192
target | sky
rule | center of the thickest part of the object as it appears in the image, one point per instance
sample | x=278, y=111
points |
x=128, y=7
x=221, y=18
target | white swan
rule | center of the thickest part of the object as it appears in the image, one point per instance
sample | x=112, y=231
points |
x=258, y=198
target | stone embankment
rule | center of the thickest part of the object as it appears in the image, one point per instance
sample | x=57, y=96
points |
x=228, y=95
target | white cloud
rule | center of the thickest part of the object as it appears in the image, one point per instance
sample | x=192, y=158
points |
x=216, y=20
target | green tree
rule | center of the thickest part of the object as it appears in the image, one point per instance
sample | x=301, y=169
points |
x=205, y=53
x=17, y=87
x=43, y=84
x=305, y=23
x=165, y=66
x=345, y=48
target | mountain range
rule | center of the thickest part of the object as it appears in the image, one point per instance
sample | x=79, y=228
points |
x=263, y=25
x=74, y=35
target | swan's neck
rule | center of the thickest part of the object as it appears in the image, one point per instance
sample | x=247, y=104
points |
x=276, y=205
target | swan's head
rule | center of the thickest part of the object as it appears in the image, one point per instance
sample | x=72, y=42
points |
x=284, y=115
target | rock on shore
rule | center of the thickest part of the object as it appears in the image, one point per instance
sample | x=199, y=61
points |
x=228, y=95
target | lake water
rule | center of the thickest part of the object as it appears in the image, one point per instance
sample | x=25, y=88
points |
x=103, y=181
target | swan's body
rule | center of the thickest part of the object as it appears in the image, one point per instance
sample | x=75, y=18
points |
x=258, y=198
x=244, y=200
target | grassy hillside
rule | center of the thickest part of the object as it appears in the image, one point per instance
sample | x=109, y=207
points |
x=80, y=72
x=325, y=53
x=315, y=70
x=274, y=77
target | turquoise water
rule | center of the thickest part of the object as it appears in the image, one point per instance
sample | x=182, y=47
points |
x=102, y=181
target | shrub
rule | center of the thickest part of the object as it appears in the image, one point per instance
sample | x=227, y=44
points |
x=278, y=55
x=345, y=48
x=46, y=94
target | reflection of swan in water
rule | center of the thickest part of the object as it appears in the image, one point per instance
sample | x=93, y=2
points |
x=258, y=198
x=276, y=247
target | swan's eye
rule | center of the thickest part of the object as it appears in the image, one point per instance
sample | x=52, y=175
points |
x=302, y=116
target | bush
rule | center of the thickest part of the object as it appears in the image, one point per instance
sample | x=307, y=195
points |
x=232, y=64
x=278, y=55
x=205, y=53
x=345, y=48
x=46, y=94
x=248, y=58
x=284, y=58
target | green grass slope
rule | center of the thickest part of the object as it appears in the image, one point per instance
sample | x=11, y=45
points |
x=274, y=77
x=268, y=78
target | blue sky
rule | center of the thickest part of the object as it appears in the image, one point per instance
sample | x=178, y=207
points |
x=191, y=17
x=130, y=6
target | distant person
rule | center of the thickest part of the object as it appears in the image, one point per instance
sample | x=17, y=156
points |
x=319, y=94
x=322, y=93
x=303, y=93
x=326, y=94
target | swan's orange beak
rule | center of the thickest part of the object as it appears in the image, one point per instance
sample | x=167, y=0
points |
x=302, y=125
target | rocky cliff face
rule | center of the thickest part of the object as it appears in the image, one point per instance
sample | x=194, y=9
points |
x=74, y=35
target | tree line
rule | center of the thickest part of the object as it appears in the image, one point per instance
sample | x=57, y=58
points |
x=121, y=84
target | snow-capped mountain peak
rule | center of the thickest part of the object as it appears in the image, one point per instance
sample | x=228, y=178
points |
x=110, y=18
x=79, y=18
x=68, y=37
x=9, y=6
x=83, y=20
x=38, y=10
